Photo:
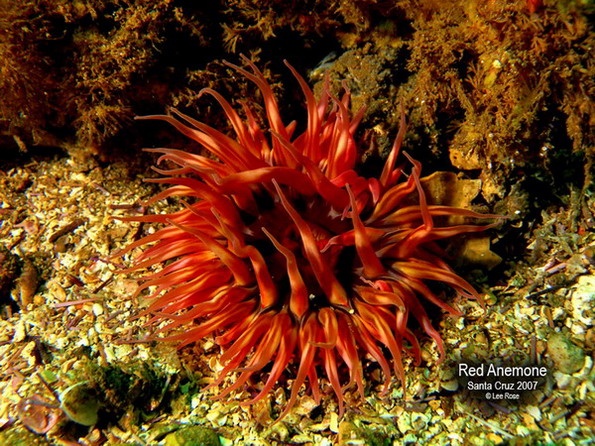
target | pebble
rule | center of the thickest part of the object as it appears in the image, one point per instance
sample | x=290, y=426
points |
x=79, y=403
x=193, y=436
x=567, y=357
x=583, y=300
x=27, y=284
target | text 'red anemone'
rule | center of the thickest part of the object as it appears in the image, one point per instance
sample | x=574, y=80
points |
x=286, y=255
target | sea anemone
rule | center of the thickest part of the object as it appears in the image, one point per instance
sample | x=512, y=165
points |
x=290, y=258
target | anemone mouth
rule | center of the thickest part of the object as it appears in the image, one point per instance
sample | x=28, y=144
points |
x=286, y=255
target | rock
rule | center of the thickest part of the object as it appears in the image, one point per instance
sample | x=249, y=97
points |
x=79, y=402
x=567, y=357
x=193, y=436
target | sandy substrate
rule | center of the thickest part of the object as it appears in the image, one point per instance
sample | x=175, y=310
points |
x=70, y=323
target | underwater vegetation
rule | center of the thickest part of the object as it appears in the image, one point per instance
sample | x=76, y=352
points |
x=501, y=84
x=78, y=69
x=287, y=255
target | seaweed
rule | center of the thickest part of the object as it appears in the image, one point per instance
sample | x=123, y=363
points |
x=26, y=80
x=79, y=71
x=501, y=87
x=517, y=85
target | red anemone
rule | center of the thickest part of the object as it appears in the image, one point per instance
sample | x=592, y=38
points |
x=286, y=255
